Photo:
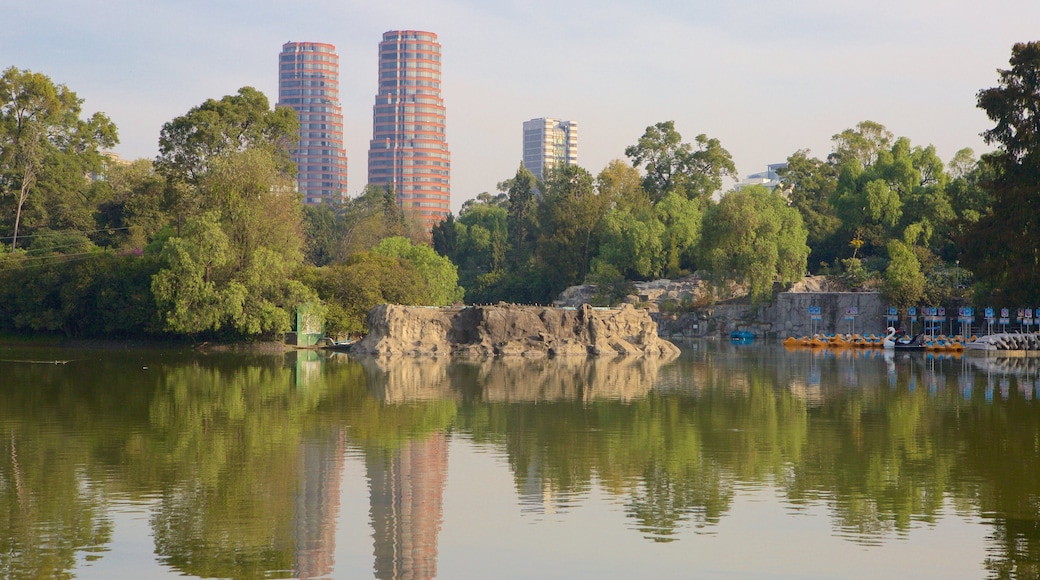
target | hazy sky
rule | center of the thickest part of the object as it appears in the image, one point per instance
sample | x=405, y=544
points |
x=765, y=77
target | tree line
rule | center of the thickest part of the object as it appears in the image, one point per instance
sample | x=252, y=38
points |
x=210, y=237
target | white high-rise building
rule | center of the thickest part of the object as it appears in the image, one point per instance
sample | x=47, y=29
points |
x=548, y=142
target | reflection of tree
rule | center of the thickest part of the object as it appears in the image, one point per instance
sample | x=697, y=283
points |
x=49, y=510
x=233, y=441
x=52, y=498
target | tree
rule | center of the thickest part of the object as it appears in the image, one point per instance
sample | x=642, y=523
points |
x=440, y=274
x=810, y=183
x=236, y=259
x=631, y=244
x=190, y=144
x=40, y=125
x=630, y=233
x=133, y=212
x=862, y=144
x=351, y=288
x=753, y=236
x=1003, y=246
x=445, y=238
x=568, y=215
x=904, y=282
x=621, y=183
x=522, y=218
x=672, y=165
x=681, y=220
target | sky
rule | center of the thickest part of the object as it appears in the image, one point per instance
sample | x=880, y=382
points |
x=765, y=77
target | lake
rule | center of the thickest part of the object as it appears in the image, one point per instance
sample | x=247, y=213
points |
x=748, y=461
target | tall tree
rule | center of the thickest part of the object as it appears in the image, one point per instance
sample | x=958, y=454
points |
x=1003, y=247
x=190, y=144
x=237, y=258
x=862, y=144
x=809, y=184
x=753, y=236
x=40, y=124
x=672, y=165
x=568, y=215
x=522, y=219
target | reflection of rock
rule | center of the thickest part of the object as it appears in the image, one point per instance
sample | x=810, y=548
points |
x=508, y=380
x=509, y=330
x=405, y=379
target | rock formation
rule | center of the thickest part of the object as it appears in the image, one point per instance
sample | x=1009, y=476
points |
x=511, y=330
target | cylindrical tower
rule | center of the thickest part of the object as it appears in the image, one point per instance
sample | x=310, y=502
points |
x=308, y=81
x=409, y=149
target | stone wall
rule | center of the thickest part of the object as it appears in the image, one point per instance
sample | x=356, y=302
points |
x=787, y=316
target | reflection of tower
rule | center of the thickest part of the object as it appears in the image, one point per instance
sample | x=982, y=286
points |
x=317, y=506
x=406, y=494
x=538, y=494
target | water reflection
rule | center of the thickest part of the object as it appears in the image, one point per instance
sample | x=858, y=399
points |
x=241, y=460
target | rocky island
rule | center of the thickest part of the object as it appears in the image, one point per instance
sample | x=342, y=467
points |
x=512, y=330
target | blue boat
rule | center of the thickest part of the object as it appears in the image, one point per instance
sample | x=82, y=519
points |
x=741, y=337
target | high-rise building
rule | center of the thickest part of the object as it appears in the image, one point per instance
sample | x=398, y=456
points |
x=548, y=142
x=308, y=81
x=409, y=149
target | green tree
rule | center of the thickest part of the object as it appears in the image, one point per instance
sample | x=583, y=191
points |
x=322, y=230
x=810, y=183
x=1003, y=246
x=862, y=144
x=351, y=288
x=681, y=218
x=440, y=274
x=672, y=165
x=569, y=213
x=522, y=216
x=44, y=140
x=630, y=243
x=133, y=213
x=445, y=238
x=243, y=244
x=190, y=144
x=904, y=282
x=752, y=236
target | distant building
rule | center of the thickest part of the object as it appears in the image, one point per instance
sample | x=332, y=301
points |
x=548, y=142
x=770, y=178
x=308, y=82
x=409, y=149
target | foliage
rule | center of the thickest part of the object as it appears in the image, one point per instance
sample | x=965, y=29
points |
x=46, y=147
x=904, y=283
x=1003, y=246
x=753, y=237
x=440, y=275
x=350, y=289
x=809, y=185
x=674, y=166
x=568, y=215
x=522, y=219
x=191, y=145
x=91, y=293
x=681, y=218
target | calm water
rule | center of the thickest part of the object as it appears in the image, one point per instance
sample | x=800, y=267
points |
x=731, y=462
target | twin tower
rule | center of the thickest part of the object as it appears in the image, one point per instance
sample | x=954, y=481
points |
x=408, y=150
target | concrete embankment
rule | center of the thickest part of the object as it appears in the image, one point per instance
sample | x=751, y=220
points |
x=787, y=315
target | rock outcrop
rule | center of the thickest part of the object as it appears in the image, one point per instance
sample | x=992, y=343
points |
x=511, y=330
